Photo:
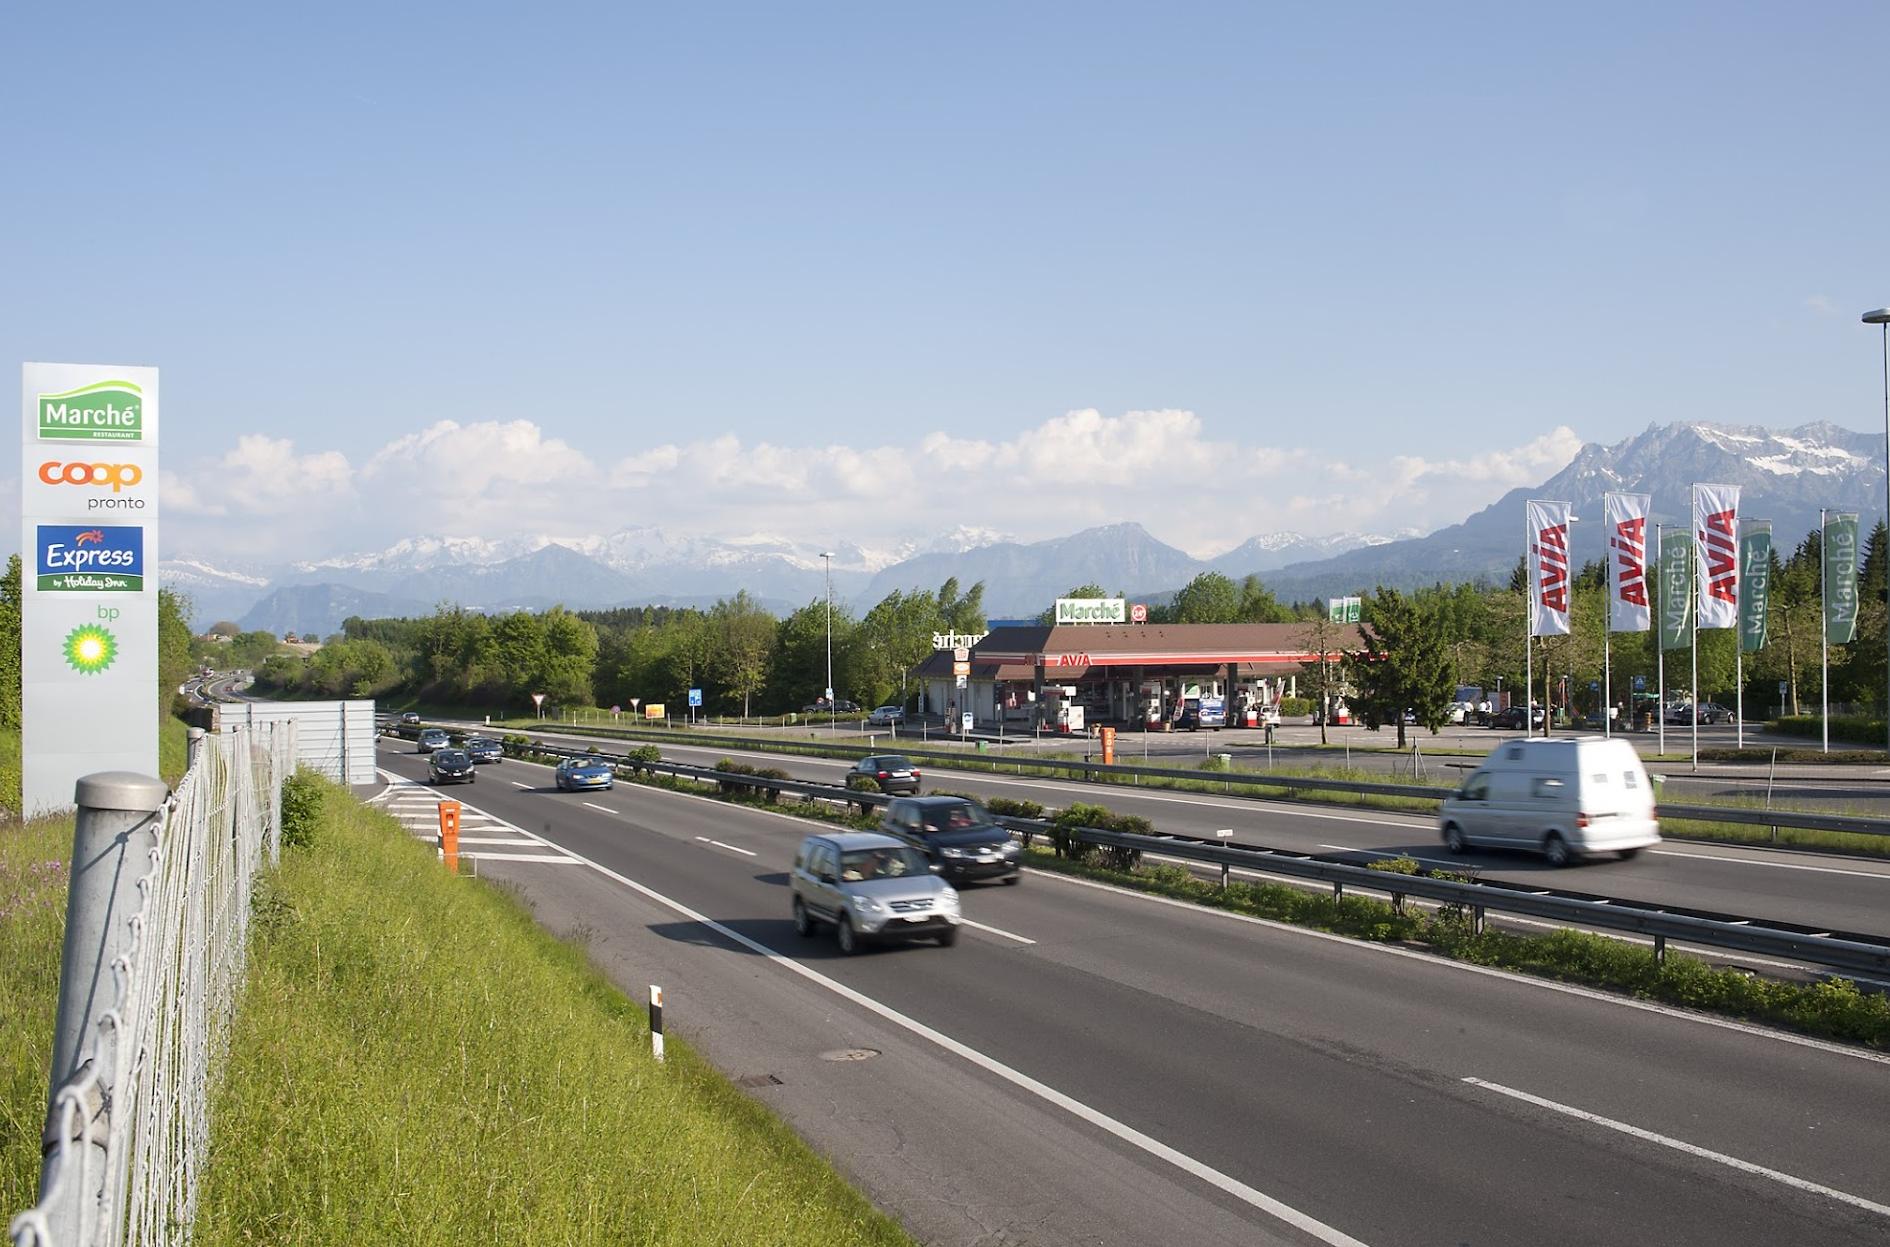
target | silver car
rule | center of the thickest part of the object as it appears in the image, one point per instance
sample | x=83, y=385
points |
x=871, y=887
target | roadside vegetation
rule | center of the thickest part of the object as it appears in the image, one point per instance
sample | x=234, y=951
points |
x=414, y=1060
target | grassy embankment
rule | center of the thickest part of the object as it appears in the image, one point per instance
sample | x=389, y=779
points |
x=415, y=1061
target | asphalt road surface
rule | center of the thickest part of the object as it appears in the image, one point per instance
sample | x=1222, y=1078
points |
x=1838, y=893
x=1091, y=1066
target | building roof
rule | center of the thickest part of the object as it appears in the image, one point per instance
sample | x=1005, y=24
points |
x=1072, y=649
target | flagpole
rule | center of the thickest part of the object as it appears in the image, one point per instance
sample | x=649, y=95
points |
x=1660, y=641
x=1693, y=690
x=1528, y=626
x=1607, y=681
x=1824, y=636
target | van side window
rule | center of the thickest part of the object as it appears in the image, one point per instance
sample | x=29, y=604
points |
x=1599, y=777
x=1545, y=786
x=800, y=858
x=1477, y=789
x=1629, y=780
x=1514, y=753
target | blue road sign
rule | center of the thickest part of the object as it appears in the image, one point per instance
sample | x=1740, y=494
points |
x=1640, y=683
x=695, y=697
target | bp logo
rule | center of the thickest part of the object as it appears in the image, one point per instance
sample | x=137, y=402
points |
x=105, y=411
x=90, y=649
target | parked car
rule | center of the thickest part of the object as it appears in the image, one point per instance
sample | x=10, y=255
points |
x=485, y=749
x=448, y=766
x=1511, y=719
x=870, y=887
x=585, y=774
x=1677, y=712
x=1564, y=798
x=956, y=834
x=890, y=771
x=1713, y=712
x=430, y=739
x=840, y=706
x=887, y=716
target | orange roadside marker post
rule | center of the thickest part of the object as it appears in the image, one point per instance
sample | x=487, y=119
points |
x=449, y=834
x=1108, y=746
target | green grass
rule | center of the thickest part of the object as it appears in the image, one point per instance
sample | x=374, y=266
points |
x=415, y=1061
x=33, y=876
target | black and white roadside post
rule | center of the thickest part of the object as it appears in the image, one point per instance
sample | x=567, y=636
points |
x=1225, y=833
x=656, y=1022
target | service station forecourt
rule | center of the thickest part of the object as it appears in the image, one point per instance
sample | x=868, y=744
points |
x=89, y=512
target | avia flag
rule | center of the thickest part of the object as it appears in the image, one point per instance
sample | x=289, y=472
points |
x=1840, y=577
x=1629, y=608
x=1755, y=578
x=1716, y=546
x=1549, y=578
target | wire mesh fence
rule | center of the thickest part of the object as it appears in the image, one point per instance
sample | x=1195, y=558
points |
x=128, y=1130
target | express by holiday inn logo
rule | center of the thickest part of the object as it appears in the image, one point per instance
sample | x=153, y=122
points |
x=105, y=411
x=106, y=558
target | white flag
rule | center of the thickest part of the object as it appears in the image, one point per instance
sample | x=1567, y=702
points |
x=1716, y=554
x=1629, y=609
x=1548, y=568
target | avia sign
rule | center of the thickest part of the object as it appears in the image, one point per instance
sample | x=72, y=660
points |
x=89, y=695
x=105, y=411
x=1092, y=610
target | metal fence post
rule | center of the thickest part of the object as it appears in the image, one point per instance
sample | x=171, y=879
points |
x=114, y=833
x=195, y=737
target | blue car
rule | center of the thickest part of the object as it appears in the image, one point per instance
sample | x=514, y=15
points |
x=585, y=774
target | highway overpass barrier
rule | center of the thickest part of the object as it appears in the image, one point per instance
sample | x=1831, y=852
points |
x=157, y=919
x=1849, y=952
x=1230, y=782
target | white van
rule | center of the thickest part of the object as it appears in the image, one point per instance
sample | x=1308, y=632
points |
x=1563, y=798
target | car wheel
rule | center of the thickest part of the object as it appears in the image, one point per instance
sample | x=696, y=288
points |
x=1628, y=855
x=1453, y=838
x=847, y=937
x=803, y=921
x=1010, y=880
x=1556, y=850
x=948, y=937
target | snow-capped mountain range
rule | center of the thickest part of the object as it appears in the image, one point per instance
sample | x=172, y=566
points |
x=1786, y=475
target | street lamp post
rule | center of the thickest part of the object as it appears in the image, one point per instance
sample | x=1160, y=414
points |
x=1881, y=319
x=832, y=710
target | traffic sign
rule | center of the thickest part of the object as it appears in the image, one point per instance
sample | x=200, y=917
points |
x=695, y=697
x=961, y=669
x=966, y=720
x=1640, y=683
x=1781, y=691
x=962, y=681
x=961, y=654
x=1594, y=686
x=1138, y=613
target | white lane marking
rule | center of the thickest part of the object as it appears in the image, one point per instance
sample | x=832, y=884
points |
x=1679, y=1145
x=996, y=931
x=492, y=840
x=1745, y=861
x=516, y=784
x=1076, y=1108
x=606, y=809
x=1346, y=848
x=732, y=848
x=556, y=858
x=1432, y=959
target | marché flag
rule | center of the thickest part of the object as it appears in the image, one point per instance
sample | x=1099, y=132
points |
x=1676, y=589
x=1548, y=568
x=1716, y=529
x=1840, y=577
x=1755, y=576
x=1628, y=607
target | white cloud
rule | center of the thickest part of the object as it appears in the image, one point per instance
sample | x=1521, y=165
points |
x=1164, y=468
x=1821, y=304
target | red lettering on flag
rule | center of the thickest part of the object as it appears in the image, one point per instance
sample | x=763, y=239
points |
x=1630, y=546
x=1721, y=550
x=1552, y=553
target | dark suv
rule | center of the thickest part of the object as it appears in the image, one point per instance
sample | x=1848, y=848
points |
x=890, y=771
x=956, y=834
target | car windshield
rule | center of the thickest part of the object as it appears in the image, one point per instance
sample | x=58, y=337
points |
x=894, y=763
x=859, y=865
x=448, y=757
x=958, y=816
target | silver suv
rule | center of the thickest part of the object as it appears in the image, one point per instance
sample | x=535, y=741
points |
x=871, y=887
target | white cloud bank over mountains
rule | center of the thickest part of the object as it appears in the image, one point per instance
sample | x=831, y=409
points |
x=270, y=497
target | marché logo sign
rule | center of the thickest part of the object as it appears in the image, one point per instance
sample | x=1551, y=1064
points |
x=105, y=411
x=1092, y=610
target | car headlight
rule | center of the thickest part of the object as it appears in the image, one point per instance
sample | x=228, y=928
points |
x=865, y=904
x=952, y=852
x=948, y=900
x=1011, y=848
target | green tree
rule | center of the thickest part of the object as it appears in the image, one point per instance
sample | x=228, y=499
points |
x=1405, y=663
x=10, y=594
x=173, y=646
x=744, y=643
x=1209, y=598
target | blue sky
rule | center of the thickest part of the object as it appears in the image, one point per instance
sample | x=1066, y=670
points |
x=739, y=268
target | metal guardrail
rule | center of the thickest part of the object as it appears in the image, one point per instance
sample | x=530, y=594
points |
x=1800, y=820
x=1852, y=952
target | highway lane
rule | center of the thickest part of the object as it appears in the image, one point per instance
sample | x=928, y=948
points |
x=1845, y=894
x=1327, y=1074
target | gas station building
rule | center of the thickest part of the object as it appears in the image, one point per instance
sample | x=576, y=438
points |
x=1125, y=675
